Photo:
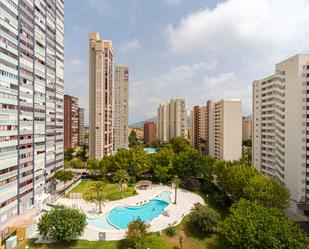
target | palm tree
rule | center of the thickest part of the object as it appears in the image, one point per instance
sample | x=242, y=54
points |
x=176, y=182
x=98, y=187
x=121, y=176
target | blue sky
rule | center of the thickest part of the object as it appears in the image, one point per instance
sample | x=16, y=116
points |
x=192, y=49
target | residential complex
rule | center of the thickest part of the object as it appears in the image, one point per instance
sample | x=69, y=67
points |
x=121, y=107
x=70, y=121
x=281, y=127
x=216, y=129
x=150, y=132
x=31, y=103
x=246, y=128
x=81, y=128
x=101, y=68
x=171, y=120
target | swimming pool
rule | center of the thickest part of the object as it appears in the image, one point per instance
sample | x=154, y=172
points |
x=150, y=150
x=120, y=217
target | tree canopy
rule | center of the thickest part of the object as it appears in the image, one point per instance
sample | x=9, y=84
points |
x=254, y=226
x=62, y=223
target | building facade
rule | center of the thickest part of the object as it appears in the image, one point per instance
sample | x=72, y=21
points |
x=228, y=130
x=216, y=129
x=246, y=128
x=31, y=103
x=81, y=128
x=70, y=121
x=101, y=70
x=150, y=132
x=280, y=125
x=171, y=120
x=121, y=107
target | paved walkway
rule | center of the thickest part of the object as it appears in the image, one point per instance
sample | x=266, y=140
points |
x=185, y=201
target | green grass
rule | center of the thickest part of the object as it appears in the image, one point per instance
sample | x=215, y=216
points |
x=111, y=191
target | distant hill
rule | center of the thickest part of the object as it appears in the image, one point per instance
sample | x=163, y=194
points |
x=140, y=125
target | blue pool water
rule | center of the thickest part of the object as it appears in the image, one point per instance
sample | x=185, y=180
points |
x=122, y=216
x=150, y=150
x=101, y=223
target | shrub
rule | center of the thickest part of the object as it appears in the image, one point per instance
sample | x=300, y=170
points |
x=171, y=231
x=62, y=223
x=136, y=234
x=191, y=183
x=204, y=218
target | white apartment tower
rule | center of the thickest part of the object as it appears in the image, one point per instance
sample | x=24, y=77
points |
x=31, y=103
x=121, y=107
x=171, y=120
x=216, y=129
x=281, y=125
x=101, y=68
x=228, y=130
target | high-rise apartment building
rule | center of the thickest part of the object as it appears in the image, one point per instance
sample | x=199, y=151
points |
x=81, y=129
x=31, y=102
x=150, y=132
x=246, y=128
x=281, y=125
x=228, y=130
x=101, y=68
x=171, y=120
x=216, y=130
x=70, y=121
x=121, y=107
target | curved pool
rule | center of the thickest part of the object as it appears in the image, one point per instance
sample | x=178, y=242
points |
x=122, y=216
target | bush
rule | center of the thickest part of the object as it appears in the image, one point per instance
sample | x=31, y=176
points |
x=137, y=234
x=171, y=231
x=191, y=183
x=62, y=223
x=204, y=218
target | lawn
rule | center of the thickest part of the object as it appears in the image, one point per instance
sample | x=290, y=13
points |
x=111, y=190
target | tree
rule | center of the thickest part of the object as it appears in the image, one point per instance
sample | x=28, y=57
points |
x=93, y=164
x=137, y=233
x=176, y=183
x=132, y=138
x=121, y=177
x=62, y=223
x=180, y=144
x=64, y=176
x=191, y=183
x=68, y=154
x=76, y=163
x=253, y=226
x=268, y=192
x=189, y=163
x=98, y=187
x=83, y=153
x=140, y=161
x=162, y=163
x=234, y=177
x=204, y=218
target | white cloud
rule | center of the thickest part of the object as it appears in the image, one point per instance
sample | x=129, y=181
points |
x=182, y=81
x=243, y=26
x=173, y=2
x=246, y=38
x=130, y=45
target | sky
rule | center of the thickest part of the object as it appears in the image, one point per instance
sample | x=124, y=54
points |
x=191, y=49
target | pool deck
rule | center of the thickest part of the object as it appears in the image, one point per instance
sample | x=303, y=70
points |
x=185, y=201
